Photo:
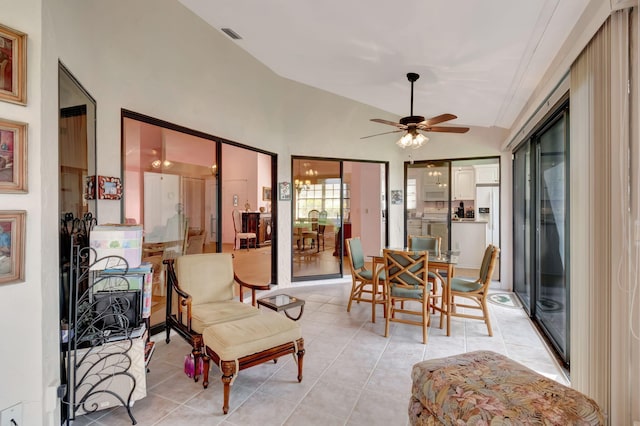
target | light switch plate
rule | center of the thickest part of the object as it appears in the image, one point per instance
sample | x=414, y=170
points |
x=11, y=416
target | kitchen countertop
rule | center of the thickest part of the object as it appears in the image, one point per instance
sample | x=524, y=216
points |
x=469, y=220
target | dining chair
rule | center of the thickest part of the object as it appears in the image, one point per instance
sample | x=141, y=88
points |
x=322, y=224
x=312, y=232
x=432, y=245
x=477, y=290
x=239, y=235
x=363, y=287
x=406, y=273
x=425, y=242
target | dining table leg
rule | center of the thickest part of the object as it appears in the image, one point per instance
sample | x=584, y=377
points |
x=446, y=295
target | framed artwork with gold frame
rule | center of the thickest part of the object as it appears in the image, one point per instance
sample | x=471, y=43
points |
x=266, y=193
x=13, y=66
x=12, y=237
x=13, y=156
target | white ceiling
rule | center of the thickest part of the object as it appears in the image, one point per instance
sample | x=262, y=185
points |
x=477, y=59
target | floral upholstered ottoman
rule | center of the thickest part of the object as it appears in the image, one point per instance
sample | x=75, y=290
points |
x=483, y=387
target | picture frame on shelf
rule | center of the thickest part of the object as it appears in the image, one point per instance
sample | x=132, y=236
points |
x=12, y=238
x=284, y=191
x=266, y=193
x=109, y=188
x=13, y=65
x=13, y=156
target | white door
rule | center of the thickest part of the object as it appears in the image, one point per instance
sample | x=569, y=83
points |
x=161, y=199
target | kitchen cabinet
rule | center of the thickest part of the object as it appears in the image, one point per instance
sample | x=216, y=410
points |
x=487, y=174
x=464, y=184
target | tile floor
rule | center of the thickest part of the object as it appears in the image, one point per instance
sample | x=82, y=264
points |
x=353, y=375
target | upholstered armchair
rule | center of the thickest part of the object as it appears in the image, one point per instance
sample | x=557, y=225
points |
x=203, y=288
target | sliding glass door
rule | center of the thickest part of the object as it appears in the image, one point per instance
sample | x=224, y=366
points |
x=522, y=213
x=540, y=255
x=551, y=207
x=334, y=200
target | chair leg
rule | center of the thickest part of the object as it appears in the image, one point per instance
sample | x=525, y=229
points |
x=425, y=320
x=228, y=371
x=205, y=367
x=485, y=312
x=354, y=292
x=388, y=318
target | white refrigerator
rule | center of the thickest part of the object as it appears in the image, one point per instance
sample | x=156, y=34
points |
x=488, y=208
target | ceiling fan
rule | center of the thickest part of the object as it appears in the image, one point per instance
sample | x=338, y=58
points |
x=412, y=124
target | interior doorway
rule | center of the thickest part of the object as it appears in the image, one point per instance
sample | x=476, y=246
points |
x=457, y=200
x=334, y=200
x=181, y=186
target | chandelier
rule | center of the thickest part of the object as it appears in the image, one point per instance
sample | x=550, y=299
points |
x=437, y=175
x=305, y=183
x=301, y=184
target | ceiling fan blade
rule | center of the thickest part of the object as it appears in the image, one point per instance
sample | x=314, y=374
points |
x=438, y=119
x=447, y=129
x=379, y=134
x=390, y=123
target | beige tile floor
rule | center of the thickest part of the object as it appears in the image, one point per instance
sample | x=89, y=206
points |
x=353, y=375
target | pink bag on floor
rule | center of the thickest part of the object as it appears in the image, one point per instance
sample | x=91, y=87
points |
x=190, y=369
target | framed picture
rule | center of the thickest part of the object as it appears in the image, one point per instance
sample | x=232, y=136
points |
x=13, y=66
x=396, y=196
x=284, y=191
x=12, y=230
x=13, y=156
x=90, y=188
x=266, y=193
x=109, y=188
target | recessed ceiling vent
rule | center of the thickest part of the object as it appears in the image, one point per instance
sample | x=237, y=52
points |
x=234, y=35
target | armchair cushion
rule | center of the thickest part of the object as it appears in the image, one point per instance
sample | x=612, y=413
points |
x=205, y=315
x=216, y=270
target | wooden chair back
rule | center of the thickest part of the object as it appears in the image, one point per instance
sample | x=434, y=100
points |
x=406, y=269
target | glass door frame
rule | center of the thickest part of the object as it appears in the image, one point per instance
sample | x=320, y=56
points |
x=450, y=202
x=558, y=112
x=561, y=114
x=131, y=115
x=342, y=250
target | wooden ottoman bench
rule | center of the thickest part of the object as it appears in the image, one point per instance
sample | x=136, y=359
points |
x=243, y=343
x=484, y=387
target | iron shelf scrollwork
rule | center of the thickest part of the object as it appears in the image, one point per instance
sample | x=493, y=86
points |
x=105, y=337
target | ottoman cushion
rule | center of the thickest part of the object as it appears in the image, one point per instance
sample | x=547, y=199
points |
x=236, y=339
x=485, y=387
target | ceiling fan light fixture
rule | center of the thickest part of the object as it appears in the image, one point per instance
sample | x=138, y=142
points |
x=412, y=139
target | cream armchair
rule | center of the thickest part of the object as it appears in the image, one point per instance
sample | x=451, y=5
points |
x=203, y=287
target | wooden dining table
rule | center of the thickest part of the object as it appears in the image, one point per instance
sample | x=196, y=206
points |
x=446, y=260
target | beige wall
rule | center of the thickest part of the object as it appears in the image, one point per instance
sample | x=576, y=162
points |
x=147, y=56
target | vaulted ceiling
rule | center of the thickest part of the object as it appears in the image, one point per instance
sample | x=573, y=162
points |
x=477, y=59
